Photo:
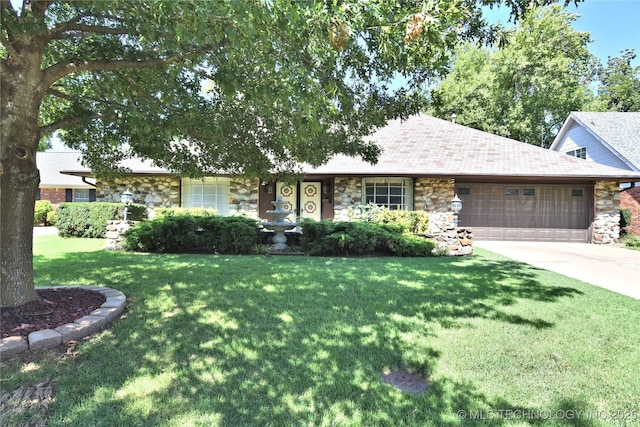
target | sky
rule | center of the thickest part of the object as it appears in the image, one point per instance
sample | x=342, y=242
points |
x=614, y=25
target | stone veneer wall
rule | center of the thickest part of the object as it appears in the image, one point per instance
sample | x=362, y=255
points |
x=243, y=197
x=606, y=224
x=630, y=199
x=433, y=194
x=347, y=193
x=150, y=190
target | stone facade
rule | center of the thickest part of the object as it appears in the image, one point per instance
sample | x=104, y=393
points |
x=243, y=195
x=347, y=193
x=151, y=190
x=433, y=194
x=630, y=199
x=606, y=223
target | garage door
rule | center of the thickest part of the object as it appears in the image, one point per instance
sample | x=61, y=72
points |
x=526, y=211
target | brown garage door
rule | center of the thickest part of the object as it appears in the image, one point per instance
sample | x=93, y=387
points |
x=526, y=211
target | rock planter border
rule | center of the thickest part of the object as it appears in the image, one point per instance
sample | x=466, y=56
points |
x=82, y=327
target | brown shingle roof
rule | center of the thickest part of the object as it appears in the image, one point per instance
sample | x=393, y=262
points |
x=425, y=145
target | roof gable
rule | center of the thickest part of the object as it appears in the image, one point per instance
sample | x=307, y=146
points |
x=618, y=132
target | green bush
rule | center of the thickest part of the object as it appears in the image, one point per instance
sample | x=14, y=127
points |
x=42, y=208
x=51, y=217
x=361, y=238
x=89, y=219
x=194, y=234
x=411, y=221
x=162, y=212
x=631, y=241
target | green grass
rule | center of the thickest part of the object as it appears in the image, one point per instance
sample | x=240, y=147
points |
x=250, y=340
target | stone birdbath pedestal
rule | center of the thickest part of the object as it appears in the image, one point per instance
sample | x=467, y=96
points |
x=279, y=224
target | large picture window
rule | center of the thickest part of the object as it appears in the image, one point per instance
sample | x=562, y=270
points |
x=206, y=193
x=393, y=193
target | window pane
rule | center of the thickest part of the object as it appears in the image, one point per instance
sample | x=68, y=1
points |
x=513, y=191
x=393, y=193
x=528, y=191
x=81, y=195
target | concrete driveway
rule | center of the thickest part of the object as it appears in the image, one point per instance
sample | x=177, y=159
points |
x=613, y=268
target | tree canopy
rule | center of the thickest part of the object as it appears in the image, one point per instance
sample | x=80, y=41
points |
x=526, y=89
x=244, y=86
x=619, y=87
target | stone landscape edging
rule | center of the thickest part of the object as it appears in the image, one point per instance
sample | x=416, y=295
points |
x=94, y=322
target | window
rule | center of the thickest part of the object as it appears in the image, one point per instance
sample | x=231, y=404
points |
x=463, y=191
x=206, y=193
x=513, y=191
x=81, y=195
x=393, y=193
x=577, y=192
x=580, y=153
x=529, y=192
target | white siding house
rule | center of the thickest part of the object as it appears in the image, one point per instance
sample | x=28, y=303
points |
x=611, y=139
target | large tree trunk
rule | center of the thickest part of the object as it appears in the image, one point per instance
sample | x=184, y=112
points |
x=21, y=96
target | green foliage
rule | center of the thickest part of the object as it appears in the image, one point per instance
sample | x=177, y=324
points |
x=625, y=218
x=42, y=209
x=619, y=88
x=90, y=219
x=162, y=212
x=51, y=217
x=195, y=234
x=361, y=238
x=631, y=241
x=527, y=88
x=410, y=221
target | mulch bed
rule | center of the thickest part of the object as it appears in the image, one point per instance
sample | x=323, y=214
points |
x=55, y=307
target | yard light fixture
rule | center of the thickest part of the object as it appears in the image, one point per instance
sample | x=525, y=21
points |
x=126, y=198
x=456, y=206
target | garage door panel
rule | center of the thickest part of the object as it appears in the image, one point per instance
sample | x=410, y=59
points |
x=526, y=212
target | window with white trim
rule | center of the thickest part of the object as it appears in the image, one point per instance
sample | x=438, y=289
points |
x=393, y=193
x=210, y=192
x=580, y=153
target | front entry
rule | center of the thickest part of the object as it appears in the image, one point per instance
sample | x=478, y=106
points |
x=305, y=199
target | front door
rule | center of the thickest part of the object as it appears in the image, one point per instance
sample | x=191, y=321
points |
x=311, y=200
x=305, y=199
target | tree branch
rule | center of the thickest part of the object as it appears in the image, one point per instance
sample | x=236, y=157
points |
x=57, y=71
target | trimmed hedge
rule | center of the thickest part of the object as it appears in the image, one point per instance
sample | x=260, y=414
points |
x=361, y=238
x=162, y=212
x=41, y=210
x=195, y=234
x=89, y=219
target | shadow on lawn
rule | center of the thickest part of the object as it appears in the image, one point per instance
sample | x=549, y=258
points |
x=278, y=341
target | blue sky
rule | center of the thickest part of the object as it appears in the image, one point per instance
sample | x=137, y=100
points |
x=614, y=25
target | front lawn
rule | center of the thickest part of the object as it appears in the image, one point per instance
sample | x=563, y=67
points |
x=251, y=340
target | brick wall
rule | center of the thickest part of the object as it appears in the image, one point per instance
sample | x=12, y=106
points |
x=54, y=195
x=630, y=199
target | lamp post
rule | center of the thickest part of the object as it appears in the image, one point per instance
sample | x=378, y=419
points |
x=456, y=206
x=126, y=198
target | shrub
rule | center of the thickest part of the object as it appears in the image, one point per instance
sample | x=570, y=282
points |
x=90, y=219
x=42, y=208
x=194, y=234
x=631, y=241
x=361, y=238
x=51, y=217
x=162, y=212
x=411, y=221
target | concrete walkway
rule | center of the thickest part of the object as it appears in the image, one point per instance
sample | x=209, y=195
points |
x=613, y=268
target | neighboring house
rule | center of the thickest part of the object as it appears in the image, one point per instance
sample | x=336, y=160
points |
x=611, y=139
x=509, y=189
x=57, y=187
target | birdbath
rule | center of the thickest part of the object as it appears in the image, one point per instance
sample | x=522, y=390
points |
x=279, y=224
